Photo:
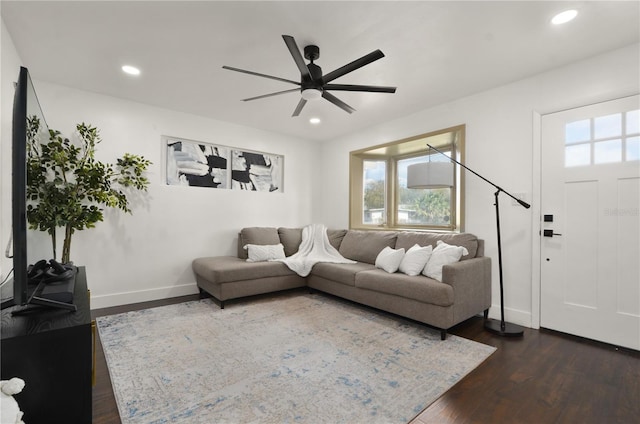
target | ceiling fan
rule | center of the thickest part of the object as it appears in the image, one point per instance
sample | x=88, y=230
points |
x=313, y=84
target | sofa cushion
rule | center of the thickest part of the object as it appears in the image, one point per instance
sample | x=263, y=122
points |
x=407, y=239
x=257, y=235
x=419, y=287
x=290, y=239
x=336, y=237
x=340, y=273
x=364, y=246
x=225, y=269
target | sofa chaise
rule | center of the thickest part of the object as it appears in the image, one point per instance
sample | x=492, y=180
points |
x=465, y=289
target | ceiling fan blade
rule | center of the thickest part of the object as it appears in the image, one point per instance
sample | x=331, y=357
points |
x=351, y=87
x=297, y=57
x=301, y=104
x=271, y=94
x=260, y=75
x=350, y=67
x=336, y=101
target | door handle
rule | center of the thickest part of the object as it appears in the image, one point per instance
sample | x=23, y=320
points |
x=549, y=233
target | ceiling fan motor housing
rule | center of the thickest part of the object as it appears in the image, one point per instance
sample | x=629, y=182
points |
x=314, y=79
x=311, y=52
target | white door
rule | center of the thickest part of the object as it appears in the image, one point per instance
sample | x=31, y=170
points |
x=590, y=202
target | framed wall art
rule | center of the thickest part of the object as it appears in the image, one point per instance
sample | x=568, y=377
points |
x=256, y=171
x=193, y=163
x=199, y=164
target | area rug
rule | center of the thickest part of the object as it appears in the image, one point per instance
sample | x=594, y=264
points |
x=299, y=358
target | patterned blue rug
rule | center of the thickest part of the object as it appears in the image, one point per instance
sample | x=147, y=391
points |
x=282, y=359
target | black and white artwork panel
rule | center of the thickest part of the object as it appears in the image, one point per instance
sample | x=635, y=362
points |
x=191, y=163
x=256, y=171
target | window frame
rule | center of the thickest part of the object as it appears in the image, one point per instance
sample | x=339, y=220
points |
x=452, y=138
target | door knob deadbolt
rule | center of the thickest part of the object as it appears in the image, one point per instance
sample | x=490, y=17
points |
x=549, y=233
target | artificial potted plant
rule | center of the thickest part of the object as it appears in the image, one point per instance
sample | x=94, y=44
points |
x=67, y=187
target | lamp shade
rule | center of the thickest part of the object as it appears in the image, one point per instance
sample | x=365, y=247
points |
x=430, y=175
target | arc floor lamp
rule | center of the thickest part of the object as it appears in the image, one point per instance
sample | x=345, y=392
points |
x=440, y=174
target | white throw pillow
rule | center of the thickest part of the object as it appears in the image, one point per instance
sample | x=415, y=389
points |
x=442, y=255
x=415, y=259
x=266, y=252
x=389, y=259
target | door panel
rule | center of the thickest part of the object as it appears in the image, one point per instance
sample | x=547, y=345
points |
x=581, y=251
x=590, y=183
x=628, y=265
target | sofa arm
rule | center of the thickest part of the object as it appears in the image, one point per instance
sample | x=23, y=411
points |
x=471, y=282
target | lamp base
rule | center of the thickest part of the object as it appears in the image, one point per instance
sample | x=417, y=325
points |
x=509, y=330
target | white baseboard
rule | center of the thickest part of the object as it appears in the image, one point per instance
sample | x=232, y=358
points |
x=117, y=299
x=513, y=316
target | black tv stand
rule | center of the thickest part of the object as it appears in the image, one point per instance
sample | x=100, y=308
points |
x=52, y=351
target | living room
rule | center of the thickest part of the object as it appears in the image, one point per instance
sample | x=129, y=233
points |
x=147, y=256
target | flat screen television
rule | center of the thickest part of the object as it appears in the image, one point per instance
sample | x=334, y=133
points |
x=28, y=124
x=16, y=292
x=55, y=287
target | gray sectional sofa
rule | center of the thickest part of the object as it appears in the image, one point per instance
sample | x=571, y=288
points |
x=465, y=289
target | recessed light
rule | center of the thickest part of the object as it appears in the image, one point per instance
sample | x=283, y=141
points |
x=564, y=17
x=131, y=70
x=314, y=121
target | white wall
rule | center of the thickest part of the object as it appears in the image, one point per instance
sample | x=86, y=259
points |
x=500, y=144
x=148, y=255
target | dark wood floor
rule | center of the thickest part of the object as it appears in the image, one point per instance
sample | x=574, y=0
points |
x=542, y=377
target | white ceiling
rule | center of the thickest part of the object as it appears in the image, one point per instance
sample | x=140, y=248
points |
x=435, y=51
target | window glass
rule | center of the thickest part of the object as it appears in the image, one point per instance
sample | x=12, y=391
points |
x=608, y=126
x=578, y=155
x=374, y=192
x=422, y=206
x=603, y=139
x=633, y=148
x=607, y=151
x=577, y=131
x=633, y=122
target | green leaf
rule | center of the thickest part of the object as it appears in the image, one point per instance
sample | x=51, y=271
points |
x=66, y=184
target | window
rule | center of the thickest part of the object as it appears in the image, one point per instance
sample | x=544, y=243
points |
x=379, y=197
x=426, y=206
x=374, y=193
x=604, y=139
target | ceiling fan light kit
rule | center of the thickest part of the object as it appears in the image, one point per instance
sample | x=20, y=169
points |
x=313, y=84
x=311, y=93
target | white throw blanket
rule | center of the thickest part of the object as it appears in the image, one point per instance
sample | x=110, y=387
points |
x=315, y=247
